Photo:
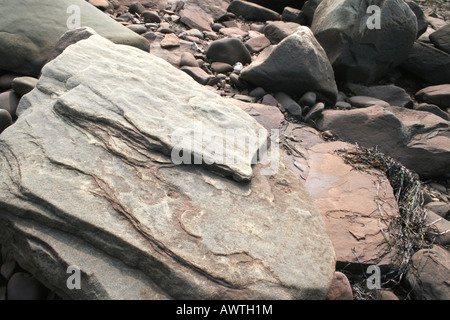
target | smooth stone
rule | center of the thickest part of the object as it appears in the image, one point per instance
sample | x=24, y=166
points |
x=6, y=80
x=440, y=208
x=433, y=109
x=315, y=112
x=288, y=104
x=5, y=120
x=359, y=54
x=293, y=15
x=276, y=31
x=364, y=102
x=187, y=59
x=221, y=67
x=23, y=85
x=150, y=16
x=136, y=7
x=441, y=38
x=170, y=41
x=340, y=288
x=257, y=93
x=393, y=95
x=276, y=66
x=197, y=74
x=251, y=11
x=9, y=100
x=257, y=44
x=428, y=63
x=438, y=95
x=23, y=286
x=428, y=274
x=308, y=99
x=228, y=50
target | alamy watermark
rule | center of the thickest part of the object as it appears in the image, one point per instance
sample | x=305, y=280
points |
x=74, y=280
x=374, y=281
x=74, y=19
x=374, y=20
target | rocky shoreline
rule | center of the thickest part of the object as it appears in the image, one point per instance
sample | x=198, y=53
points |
x=363, y=138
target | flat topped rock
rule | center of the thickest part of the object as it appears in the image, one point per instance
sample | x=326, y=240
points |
x=88, y=180
x=188, y=120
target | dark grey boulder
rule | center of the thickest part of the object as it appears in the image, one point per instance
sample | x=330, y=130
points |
x=441, y=38
x=428, y=63
x=297, y=65
x=228, y=50
x=358, y=53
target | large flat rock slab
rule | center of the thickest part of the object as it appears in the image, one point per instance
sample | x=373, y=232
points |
x=87, y=171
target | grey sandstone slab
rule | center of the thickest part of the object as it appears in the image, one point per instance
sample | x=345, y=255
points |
x=87, y=179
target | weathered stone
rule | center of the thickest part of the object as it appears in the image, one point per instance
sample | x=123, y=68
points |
x=5, y=119
x=438, y=95
x=341, y=288
x=23, y=286
x=441, y=38
x=364, y=102
x=293, y=15
x=440, y=228
x=350, y=203
x=315, y=112
x=195, y=234
x=428, y=63
x=276, y=31
x=251, y=11
x=360, y=53
x=433, y=109
x=277, y=68
x=393, y=95
x=32, y=28
x=9, y=100
x=170, y=41
x=188, y=59
x=288, y=104
x=397, y=133
x=150, y=16
x=198, y=74
x=428, y=274
x=422, y=22
x=279, y=5
x=257, y=44
x=196, y=18
x=228, y=50
x=234, y=33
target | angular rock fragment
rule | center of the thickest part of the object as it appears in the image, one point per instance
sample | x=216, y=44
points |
x=296, y=65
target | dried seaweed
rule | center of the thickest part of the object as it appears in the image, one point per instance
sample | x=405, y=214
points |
x=408, y=232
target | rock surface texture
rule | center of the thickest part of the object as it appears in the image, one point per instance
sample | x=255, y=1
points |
x=87, y=181
x=359, y=52
x=414, y=138
x=33, y=35
x=278, y=67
